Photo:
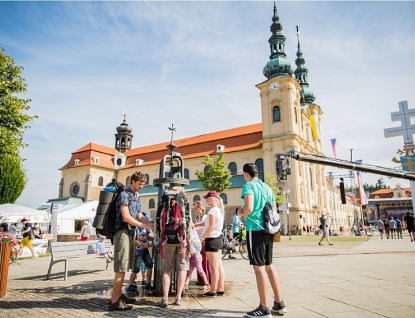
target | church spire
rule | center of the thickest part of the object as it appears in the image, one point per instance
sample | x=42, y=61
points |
x=278, y=65
x=123, y=137
x=301, y=74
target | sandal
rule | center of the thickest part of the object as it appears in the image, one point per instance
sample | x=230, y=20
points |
x=162, y=303
x=127, y=299
x=178, y=302
x=205, y=287
x=119, y=305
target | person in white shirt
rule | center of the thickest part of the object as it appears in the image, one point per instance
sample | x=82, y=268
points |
x=214, y=243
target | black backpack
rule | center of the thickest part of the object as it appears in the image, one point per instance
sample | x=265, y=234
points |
x=173, y=218
x=106, y=214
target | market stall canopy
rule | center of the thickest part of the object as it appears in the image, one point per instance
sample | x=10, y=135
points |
x=83, y=211
x=15, y=213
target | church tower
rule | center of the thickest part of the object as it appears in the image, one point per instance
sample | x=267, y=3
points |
x=123, y=137
x=291, y=120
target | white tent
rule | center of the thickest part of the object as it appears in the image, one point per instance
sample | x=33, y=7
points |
x=14, y=213
x=67, y=214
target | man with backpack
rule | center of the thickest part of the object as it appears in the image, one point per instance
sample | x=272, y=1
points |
x=255, y=194
x=128, y=217
x=173, y=215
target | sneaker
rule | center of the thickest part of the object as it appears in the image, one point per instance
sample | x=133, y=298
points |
x=144, y=282
x=279, y=308
x=259, y=312
x=131, y=290
x=231, y=257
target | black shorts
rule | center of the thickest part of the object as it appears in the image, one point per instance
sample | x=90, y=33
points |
x=380, y=230
x=213, y=244
x=260, y=247
x=410, y=229
x=393, y=230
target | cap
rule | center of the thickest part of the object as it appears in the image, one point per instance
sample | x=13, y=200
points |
x=101, y=236
x=146, y=216
x=211, y=194
x=250, y=168
x=86, y=222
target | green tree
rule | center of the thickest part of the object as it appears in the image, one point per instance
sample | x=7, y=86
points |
x=270, y=180
x=12, y=179
x=216, y=177
x=13, y=121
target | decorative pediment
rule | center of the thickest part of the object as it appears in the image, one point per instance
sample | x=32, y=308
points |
x=276, y=101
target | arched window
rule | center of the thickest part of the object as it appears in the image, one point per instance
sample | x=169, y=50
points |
x=186, y=173
x=151, y=204
x=260, y=165
x=311, y=180
x=100, y=182
x=128, y=182
x=206, y=169
x=224, y=198
x=196, y=198
x=148, y=179
x=276, y=116
x=233, y=168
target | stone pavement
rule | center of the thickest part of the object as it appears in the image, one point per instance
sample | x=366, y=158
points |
x=350, y=279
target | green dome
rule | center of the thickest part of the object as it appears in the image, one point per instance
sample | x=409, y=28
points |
x=278, y=66
x=307, y=95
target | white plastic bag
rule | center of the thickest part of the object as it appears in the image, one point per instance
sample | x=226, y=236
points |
x=195, y=244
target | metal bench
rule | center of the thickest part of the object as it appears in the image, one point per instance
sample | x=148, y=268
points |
x=63, y=251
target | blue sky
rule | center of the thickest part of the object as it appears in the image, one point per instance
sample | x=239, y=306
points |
x=195, y=64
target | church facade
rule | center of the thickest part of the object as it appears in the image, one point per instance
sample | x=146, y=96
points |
x=290, y=120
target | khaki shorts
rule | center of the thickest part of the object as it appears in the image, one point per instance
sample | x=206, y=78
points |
x=26, y=242
x=172, y=252
x=124, y=251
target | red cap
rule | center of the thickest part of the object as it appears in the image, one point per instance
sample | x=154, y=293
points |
x=213, y=194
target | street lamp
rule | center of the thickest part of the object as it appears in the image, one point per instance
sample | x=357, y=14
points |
x=286, y=192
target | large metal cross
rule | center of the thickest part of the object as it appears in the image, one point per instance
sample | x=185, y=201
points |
x=406, y=129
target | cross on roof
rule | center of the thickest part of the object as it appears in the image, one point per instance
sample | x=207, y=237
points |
x=172, y=130
x=406, y=129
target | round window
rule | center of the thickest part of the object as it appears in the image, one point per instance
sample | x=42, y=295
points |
x=74, y=189
x=119, y=161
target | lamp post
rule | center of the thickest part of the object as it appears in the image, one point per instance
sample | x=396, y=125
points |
x=286, y=192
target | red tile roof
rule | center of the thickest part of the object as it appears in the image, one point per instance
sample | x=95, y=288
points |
x=236, y=139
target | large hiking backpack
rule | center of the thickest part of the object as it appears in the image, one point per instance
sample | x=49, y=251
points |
x=173, y=218
x=106, y=214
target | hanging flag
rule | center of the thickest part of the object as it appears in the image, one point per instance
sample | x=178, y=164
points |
x=362, y=194
x=314, y=125
x=333, y=145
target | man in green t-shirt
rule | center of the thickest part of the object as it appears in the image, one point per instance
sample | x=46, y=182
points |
x=255, y=194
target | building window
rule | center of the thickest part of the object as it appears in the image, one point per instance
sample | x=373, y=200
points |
x=224, y=198
x=260, y=165
x=74, y=189
x=295, y=115
x=276, y=116
x=152, y=204
x=128, y=182
x=148, y=179
x=186, y=173
x=100, y=182
x=77, y=161
x=206, y=169
x=196, y=198
x=311, y=180
x=233, y=168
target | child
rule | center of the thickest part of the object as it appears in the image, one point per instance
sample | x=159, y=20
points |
x=100, y=248
x=141, y=253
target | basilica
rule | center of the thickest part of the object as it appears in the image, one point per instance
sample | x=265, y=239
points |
x=290, y=120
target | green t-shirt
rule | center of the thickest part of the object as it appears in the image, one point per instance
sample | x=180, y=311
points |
x=262, y=193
